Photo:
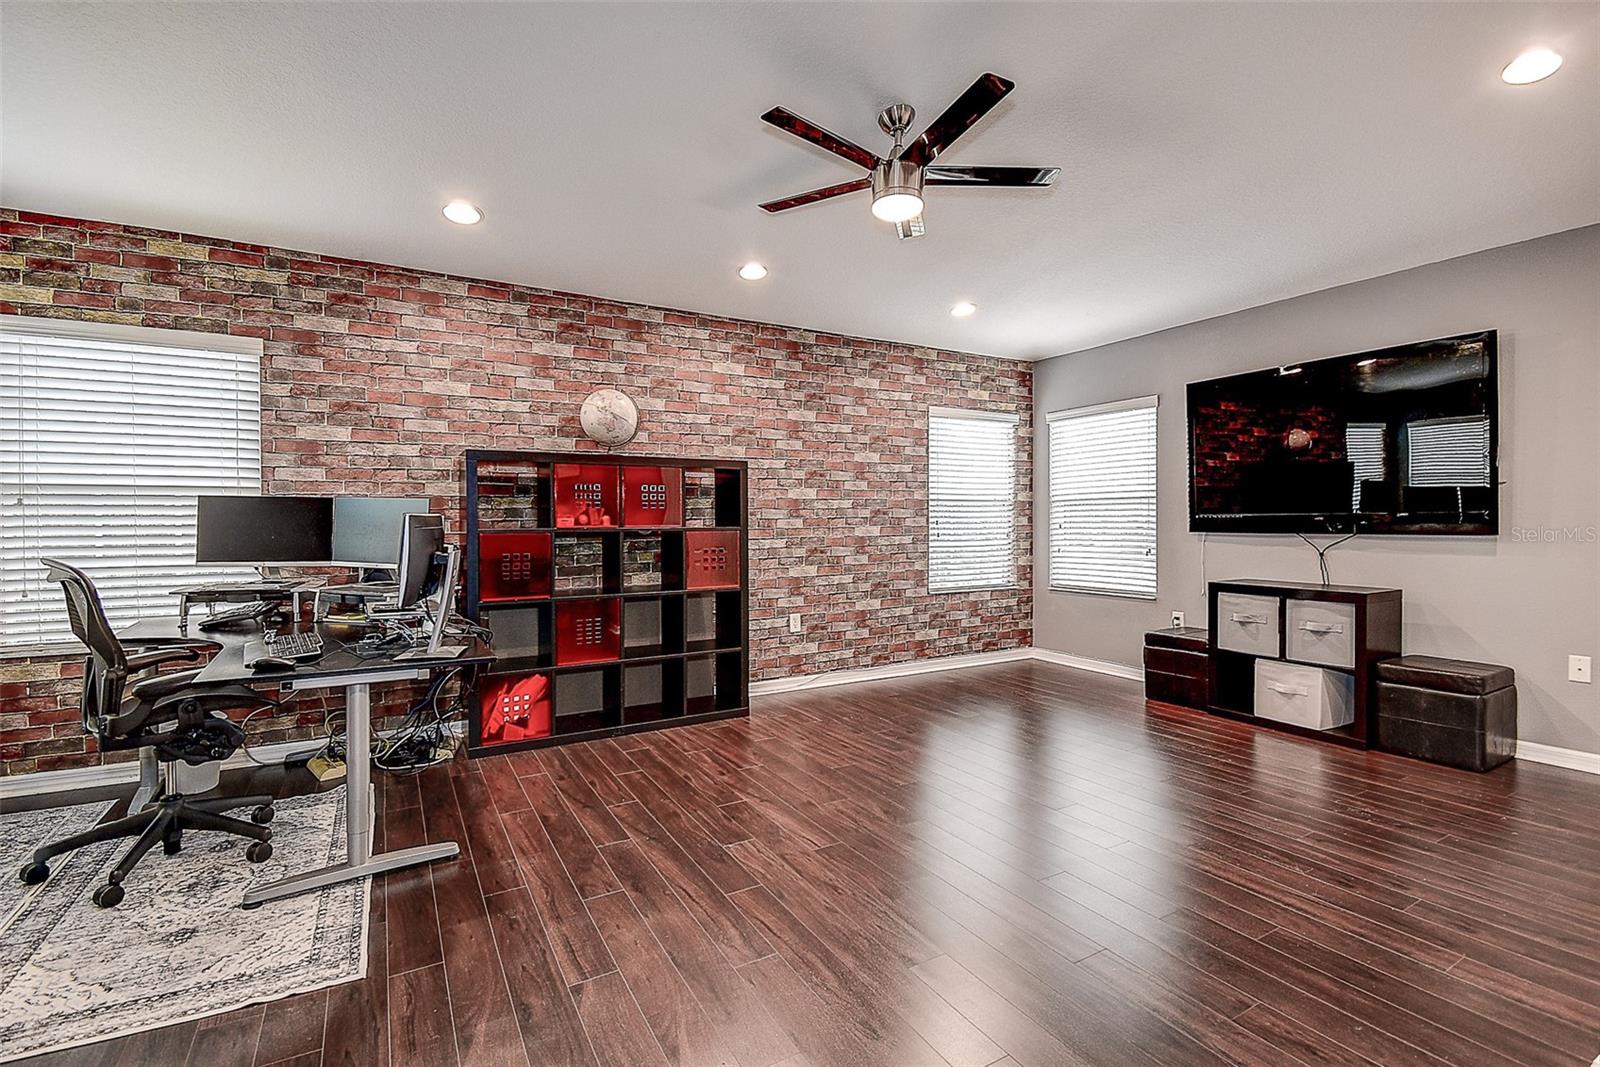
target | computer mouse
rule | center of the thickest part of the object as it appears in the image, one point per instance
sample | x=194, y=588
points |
x=272, y=663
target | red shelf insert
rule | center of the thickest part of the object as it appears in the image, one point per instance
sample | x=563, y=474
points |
x=586, y=495
x=514, y=708
x=513, y=566
x=711, y=559
x=652, y=496
x=588, y=631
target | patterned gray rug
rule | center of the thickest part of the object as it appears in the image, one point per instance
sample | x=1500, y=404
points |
x=178, y=946
x=21, y=833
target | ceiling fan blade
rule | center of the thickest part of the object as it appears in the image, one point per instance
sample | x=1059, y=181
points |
x=958, y=118
x=789, y=122
x=991, y=175
x=910, y=228
x=814, y=195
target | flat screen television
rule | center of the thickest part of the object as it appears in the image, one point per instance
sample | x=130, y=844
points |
x=1401, y=440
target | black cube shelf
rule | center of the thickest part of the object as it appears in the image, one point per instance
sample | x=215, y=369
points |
x=617, y=588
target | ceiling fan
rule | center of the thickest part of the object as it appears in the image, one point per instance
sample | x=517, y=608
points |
x=897, y=180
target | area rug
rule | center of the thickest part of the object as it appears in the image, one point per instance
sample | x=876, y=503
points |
x=179, y=946
x=23, y=831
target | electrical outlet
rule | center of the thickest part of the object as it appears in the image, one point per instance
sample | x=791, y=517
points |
x=1177, y=620
x=794, y=623
x=1578, y=669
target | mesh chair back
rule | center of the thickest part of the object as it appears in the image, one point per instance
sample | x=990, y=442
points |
x=105, y=670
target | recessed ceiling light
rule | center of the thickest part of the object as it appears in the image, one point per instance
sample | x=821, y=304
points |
x=462, y=213
x=1290, y=370
x=1366, y=363
x=961, y=309
x=752, y=271
x=1536, y=64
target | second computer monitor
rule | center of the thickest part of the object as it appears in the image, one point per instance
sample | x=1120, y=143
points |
x=422, y=538
x=367, y=530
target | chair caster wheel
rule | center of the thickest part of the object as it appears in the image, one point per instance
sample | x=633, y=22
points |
x=33, y=873
x=262, y=815
x=259, y=852
x=108, y=896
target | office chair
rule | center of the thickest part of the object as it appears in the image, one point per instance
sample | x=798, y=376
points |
x=167, y=713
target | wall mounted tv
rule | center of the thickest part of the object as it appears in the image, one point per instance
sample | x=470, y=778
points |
x=1397, y=441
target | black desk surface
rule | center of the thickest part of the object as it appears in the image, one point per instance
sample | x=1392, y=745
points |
x=227, y=665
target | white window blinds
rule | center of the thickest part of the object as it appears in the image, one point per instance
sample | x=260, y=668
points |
x=972, y=494
x=107, y=435
x=1103, y=499
x=1448, y=452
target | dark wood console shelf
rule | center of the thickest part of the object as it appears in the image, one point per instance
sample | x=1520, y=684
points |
x=616, y=587
x=1346, y=629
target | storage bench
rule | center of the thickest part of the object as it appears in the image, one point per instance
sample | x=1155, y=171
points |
x=1175, y=666
x=1448, y=711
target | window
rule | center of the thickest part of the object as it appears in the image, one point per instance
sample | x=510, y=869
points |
x=1448, y=453
x=107, y=435
x=1363, y=447
x=972, y=500
x=1103, y=499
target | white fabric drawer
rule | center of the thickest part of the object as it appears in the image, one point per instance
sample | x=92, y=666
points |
x=1248, y=623
x=1317, y=631
x=1305, y=696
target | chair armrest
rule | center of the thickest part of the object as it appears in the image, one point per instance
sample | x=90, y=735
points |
x=140, y=660
x=169, y=641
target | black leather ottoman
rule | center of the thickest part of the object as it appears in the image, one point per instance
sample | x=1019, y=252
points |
x=1447, y=711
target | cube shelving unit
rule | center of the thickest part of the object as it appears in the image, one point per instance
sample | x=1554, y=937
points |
x=617, y=590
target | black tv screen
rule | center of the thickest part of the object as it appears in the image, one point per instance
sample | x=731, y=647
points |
x=1402, y=440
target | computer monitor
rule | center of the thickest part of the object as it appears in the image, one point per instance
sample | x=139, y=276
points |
x=263, y=529
x=367, y=529
x=421, y=538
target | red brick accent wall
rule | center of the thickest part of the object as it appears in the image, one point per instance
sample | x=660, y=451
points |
x=377, y=378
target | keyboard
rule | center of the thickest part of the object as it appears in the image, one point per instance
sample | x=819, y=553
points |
x=297, y=644
x=252, y=609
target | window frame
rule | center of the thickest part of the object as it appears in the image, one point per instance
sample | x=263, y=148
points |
x=1051, y=419
x=23, y=328
x=1013, y=421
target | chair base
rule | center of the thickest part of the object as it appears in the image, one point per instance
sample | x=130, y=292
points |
x=162, y=821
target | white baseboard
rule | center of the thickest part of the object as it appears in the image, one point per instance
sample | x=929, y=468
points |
x=1570, y=758
x=795, y=682
x=1084, y=663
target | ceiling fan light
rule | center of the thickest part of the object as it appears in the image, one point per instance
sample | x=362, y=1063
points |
x=896, y=191
x=897, y=207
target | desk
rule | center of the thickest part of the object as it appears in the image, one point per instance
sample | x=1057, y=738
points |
x=356, y=675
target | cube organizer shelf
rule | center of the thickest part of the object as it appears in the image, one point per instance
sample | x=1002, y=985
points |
x=616, y=590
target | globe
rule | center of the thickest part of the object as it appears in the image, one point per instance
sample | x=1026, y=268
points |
x=609, y=416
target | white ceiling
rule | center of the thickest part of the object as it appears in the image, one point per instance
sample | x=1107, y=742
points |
x=1214, y=156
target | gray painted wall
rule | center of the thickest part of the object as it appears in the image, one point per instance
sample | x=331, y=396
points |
x=1515, y=599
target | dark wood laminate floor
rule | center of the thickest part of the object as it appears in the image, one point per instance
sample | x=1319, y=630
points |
x=1013, y=865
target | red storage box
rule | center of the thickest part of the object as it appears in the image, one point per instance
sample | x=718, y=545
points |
x=515, y=707
x=513, y=566
x=711, y=559
x=588, y=631
x=586, y=495
x=652, y=496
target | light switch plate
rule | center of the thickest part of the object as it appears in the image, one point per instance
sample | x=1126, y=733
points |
x=1578, y=669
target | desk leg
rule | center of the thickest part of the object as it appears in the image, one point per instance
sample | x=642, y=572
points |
x=360, y=862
